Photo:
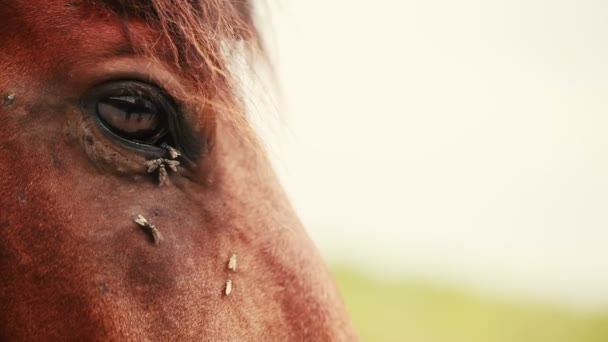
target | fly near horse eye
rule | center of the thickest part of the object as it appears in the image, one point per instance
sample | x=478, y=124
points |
x=132, y=118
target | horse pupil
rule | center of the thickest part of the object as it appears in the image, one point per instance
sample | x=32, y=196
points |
x=130, y=117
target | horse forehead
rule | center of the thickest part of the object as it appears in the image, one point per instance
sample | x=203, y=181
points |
x=48, y=52
x=54, y=17
x=58, y=33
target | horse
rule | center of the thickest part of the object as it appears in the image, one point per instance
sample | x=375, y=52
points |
x=137, y=202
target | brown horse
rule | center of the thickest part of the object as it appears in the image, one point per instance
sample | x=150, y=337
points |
x=119, y=111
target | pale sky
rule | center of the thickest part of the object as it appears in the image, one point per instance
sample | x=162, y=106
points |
x=459, y=140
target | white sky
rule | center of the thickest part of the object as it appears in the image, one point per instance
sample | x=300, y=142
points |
x=461, y=140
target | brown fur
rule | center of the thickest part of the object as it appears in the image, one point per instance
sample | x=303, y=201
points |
x=73, y=264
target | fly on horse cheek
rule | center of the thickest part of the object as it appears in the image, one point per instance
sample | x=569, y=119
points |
x=156, y=236
x=8, y=100
x=132, y=176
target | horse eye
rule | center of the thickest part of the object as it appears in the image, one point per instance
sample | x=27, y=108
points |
x=132, y=118
x=141, y=117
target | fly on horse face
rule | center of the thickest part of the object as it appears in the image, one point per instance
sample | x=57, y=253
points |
x=136, y=203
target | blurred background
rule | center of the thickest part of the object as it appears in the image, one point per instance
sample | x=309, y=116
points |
x=450, y=160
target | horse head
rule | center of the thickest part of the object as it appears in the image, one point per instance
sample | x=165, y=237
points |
x=136, y=201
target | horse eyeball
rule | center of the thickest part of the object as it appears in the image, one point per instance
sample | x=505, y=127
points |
x=131, y=117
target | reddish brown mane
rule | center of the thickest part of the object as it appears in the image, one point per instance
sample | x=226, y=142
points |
x=198, y=31
x=200, y=37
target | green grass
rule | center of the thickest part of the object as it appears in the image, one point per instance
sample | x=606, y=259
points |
x=410, y=311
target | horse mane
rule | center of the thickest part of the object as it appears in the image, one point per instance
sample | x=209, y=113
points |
x=202, y=38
